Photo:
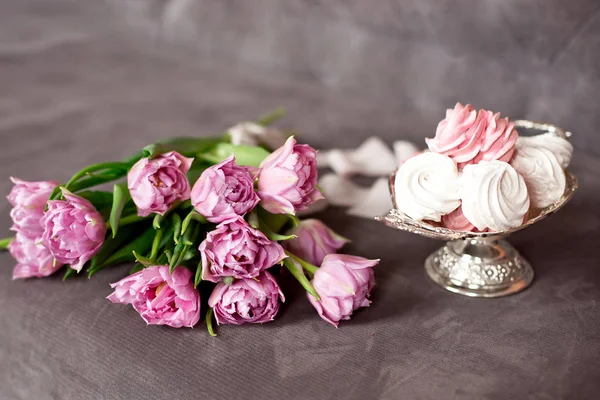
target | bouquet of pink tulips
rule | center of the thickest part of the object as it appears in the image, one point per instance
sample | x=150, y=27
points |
x=218, y=211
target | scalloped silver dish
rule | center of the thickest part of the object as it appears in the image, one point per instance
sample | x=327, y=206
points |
x=480, y=264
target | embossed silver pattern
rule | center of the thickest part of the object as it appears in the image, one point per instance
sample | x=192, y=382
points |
x=480, y=264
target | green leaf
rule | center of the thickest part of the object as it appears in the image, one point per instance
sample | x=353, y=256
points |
x=69, y=273
x=169, y=254
x=276, y=237
x=190, y=254
x=4, y=243
x=146, y=262
x=109, y=169
x=140, y=244
x=157, y=221
x=101, y=200
x=109, y=246
x=209, y=326
x=195, y=216
x=187, y=146
x=182, y=248
x=176, y=219
x=295, y=220
x=198, y=276
x=253, y=219
x=275, y=222
x=244, y=155
x=296, y=270
x=121, y=196
x=56, y=194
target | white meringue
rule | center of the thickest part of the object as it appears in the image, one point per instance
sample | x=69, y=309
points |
x=253, y=134
x=493, y=195
x=562, y=149
x=426, y=187
x=543, y=174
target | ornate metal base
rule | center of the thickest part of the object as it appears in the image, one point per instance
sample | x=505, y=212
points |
x=482, y=267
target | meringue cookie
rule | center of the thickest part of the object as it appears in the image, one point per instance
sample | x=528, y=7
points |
x=426, y=187
x=499, y=139
x=562, y=149
x=460, y=135
x=543, y=174
x=493, y=195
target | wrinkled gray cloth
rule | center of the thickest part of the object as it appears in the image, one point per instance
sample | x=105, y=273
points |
x=84, y=81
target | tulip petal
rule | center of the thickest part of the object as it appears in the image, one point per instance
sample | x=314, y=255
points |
x=372, y=158
x=340, y=191
x=376, y=202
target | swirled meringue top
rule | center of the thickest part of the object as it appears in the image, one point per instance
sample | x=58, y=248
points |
x=493, y=195
x=499, y=138
x=562, y=149
x=426, y=187
x=460, y=134
x=543, y=174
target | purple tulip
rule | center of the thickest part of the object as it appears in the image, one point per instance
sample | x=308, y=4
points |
x=73, y=230
x=314, y=241
x=236, y=249
x=34, y=260
x=159, y=297
x=288, y=178
x=29, y=200
x=155, y=184
x=254, y=301
x=224, y=191
x=344, y=284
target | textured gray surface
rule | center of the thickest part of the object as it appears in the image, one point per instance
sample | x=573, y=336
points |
x=85, y=81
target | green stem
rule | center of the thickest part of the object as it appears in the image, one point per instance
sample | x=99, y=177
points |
x=4, y=243
x=297, y=273
x=305, y=265
x=156, y=244
x=131, y=219
x=209, y=326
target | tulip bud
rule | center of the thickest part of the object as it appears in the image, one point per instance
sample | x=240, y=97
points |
x=156, y=183
x=314, y=240
x=236, y=249
x=344, y=284
x=159, y=297
x=254, y=301
x=223, y=191
x=287, y=179
x=74, y=230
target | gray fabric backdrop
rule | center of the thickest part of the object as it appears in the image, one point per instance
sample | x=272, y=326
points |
x=83, y=81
